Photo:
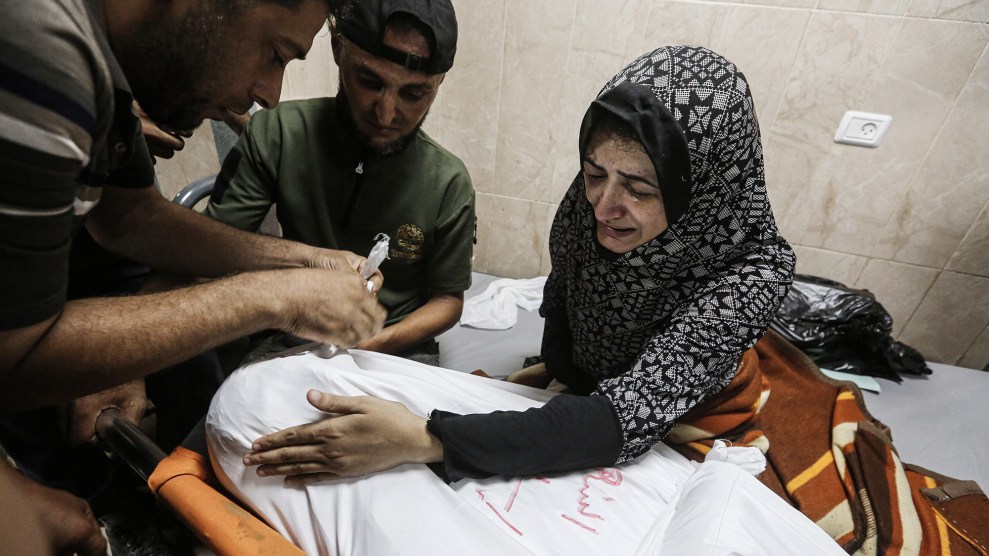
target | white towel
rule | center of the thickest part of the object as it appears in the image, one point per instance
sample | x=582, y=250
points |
x=496, y=308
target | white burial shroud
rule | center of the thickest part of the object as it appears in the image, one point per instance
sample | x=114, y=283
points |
x=660, y=503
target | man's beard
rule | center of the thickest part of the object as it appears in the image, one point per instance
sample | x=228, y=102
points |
x=363, y=139
x=170, y=69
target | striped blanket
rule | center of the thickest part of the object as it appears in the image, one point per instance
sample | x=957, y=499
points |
x=833, y=461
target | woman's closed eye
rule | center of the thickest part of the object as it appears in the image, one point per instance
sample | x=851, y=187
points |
x=638, y=191
x=595, y=177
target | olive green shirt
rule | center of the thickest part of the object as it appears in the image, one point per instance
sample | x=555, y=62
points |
x=327, y=192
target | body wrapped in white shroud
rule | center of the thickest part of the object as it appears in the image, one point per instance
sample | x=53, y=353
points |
x=658, y=503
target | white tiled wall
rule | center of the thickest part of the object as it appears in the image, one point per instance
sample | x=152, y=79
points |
x=908, y=221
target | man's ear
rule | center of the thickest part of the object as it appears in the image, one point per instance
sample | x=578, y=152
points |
x=336, y=43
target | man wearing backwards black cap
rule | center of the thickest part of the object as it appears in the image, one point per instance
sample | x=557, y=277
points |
x=341, y=170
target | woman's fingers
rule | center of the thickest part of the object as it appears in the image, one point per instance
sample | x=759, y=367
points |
x=330, y=403
x=294, y=436
x=298, y=468
x=304, y=480
x=290, y=455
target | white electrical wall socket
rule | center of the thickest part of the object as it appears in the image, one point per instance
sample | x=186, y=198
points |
x=862, y=128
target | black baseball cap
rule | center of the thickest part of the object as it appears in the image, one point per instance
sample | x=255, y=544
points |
x=364, y=24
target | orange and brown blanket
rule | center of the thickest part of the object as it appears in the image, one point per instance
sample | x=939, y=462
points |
x=833, y=461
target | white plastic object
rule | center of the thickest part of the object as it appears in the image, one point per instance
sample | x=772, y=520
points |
x=378, y=254
x=863, y=129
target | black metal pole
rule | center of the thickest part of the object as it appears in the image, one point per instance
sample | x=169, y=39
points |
x=128, y=442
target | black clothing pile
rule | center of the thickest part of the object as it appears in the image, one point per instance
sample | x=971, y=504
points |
x=844, y=329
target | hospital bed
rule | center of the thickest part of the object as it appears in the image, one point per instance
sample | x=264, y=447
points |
x=184, y=483
x=933, y=420
x=945, y=437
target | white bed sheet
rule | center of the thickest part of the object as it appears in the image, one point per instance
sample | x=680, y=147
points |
x=661, y=502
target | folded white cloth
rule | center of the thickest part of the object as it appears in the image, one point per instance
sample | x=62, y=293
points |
x=496, y=308
x=749, y=458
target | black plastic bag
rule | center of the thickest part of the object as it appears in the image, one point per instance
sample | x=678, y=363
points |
x=844, y=329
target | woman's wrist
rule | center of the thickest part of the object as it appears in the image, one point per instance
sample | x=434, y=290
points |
x=429, y=449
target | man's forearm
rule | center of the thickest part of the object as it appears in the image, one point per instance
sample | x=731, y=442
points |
x=143, y=226
x=94, y=344
x=98, y=343
x=436, y=316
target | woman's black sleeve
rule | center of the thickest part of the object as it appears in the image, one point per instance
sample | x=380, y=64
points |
x=568, y=433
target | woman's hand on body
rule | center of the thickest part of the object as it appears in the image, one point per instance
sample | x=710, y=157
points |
x=365, y=435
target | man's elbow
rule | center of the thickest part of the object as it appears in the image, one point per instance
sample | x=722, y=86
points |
x=123, y=214
x=17, y=347
x=453, y=308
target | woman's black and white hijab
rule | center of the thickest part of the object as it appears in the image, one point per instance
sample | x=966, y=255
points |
x=661, y=328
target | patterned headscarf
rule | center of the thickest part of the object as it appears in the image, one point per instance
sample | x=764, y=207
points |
x=661, y=328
